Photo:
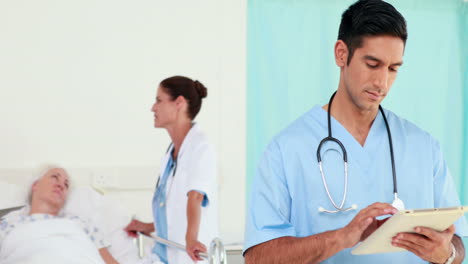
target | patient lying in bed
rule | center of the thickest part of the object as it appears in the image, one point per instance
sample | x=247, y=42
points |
x=41, y=233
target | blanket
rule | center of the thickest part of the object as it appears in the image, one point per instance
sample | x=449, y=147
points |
x=55, y=241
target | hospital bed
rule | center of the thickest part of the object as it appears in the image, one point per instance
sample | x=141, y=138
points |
x=94, y=203
x=216, y=253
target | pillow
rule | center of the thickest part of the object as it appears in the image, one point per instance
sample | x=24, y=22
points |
x=108, y=215
x=12, y=195
x=84, y=202
x=123, y=247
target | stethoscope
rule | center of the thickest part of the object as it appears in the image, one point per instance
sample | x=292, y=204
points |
x=174, y=169
x=397, y=203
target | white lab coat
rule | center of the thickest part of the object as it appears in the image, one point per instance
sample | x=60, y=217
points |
x=196, y=170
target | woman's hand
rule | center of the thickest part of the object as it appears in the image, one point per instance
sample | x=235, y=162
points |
x=193, y=248
x=136, y=226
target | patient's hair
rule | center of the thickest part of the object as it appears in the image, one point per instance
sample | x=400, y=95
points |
x=38, y=173
x=192, y=91
x=370, y=18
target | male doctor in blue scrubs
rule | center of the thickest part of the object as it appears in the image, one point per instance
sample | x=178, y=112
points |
x=283, y=223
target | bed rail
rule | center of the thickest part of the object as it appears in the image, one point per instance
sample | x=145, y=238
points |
x=216, y=253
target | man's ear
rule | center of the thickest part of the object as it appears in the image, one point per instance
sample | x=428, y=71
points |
x=32, y=190
x=34, y=186
x=341, y=53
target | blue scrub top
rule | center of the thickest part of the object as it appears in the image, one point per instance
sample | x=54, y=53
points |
x=159, y=211
x=288, y=190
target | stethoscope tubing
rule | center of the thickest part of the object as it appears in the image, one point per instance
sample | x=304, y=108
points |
x=174, y=165
x=345, y=160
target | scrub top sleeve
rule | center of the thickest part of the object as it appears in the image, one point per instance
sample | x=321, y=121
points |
x=202, y=173
x=269, y=211
x=445, y=191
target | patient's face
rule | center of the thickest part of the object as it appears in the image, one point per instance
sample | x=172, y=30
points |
x=52, y=187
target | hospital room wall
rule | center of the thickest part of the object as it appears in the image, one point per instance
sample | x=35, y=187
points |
x=78, y=79
x=290, y=68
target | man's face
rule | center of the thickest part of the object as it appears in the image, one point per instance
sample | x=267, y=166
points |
x=372, y=70
x=52, y=188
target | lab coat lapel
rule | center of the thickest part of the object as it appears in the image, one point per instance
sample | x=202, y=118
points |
x=164, y=160
x=189, y=138
x=185, y=145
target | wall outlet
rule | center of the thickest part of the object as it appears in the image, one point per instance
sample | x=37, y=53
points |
x=124, y=178
x=101, y=180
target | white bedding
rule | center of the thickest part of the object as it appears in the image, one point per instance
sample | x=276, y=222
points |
x=55, y=241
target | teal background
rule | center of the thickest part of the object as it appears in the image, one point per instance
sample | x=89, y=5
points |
x=290, y=68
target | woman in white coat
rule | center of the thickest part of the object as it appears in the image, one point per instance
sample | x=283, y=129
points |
x=185, y=199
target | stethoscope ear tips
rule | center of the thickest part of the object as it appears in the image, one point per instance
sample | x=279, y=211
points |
x=321, y=209
x=354, y=206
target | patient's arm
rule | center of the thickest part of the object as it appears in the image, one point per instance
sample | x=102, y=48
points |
x=106, y=256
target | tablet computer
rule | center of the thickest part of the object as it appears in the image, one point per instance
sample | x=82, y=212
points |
x=405, y=221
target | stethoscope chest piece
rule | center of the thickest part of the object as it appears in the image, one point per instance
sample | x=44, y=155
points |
x=398, y=204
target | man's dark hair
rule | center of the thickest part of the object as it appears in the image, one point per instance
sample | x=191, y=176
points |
x=370, y=18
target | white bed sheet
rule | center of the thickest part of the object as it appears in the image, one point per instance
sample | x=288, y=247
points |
x=55, y=241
